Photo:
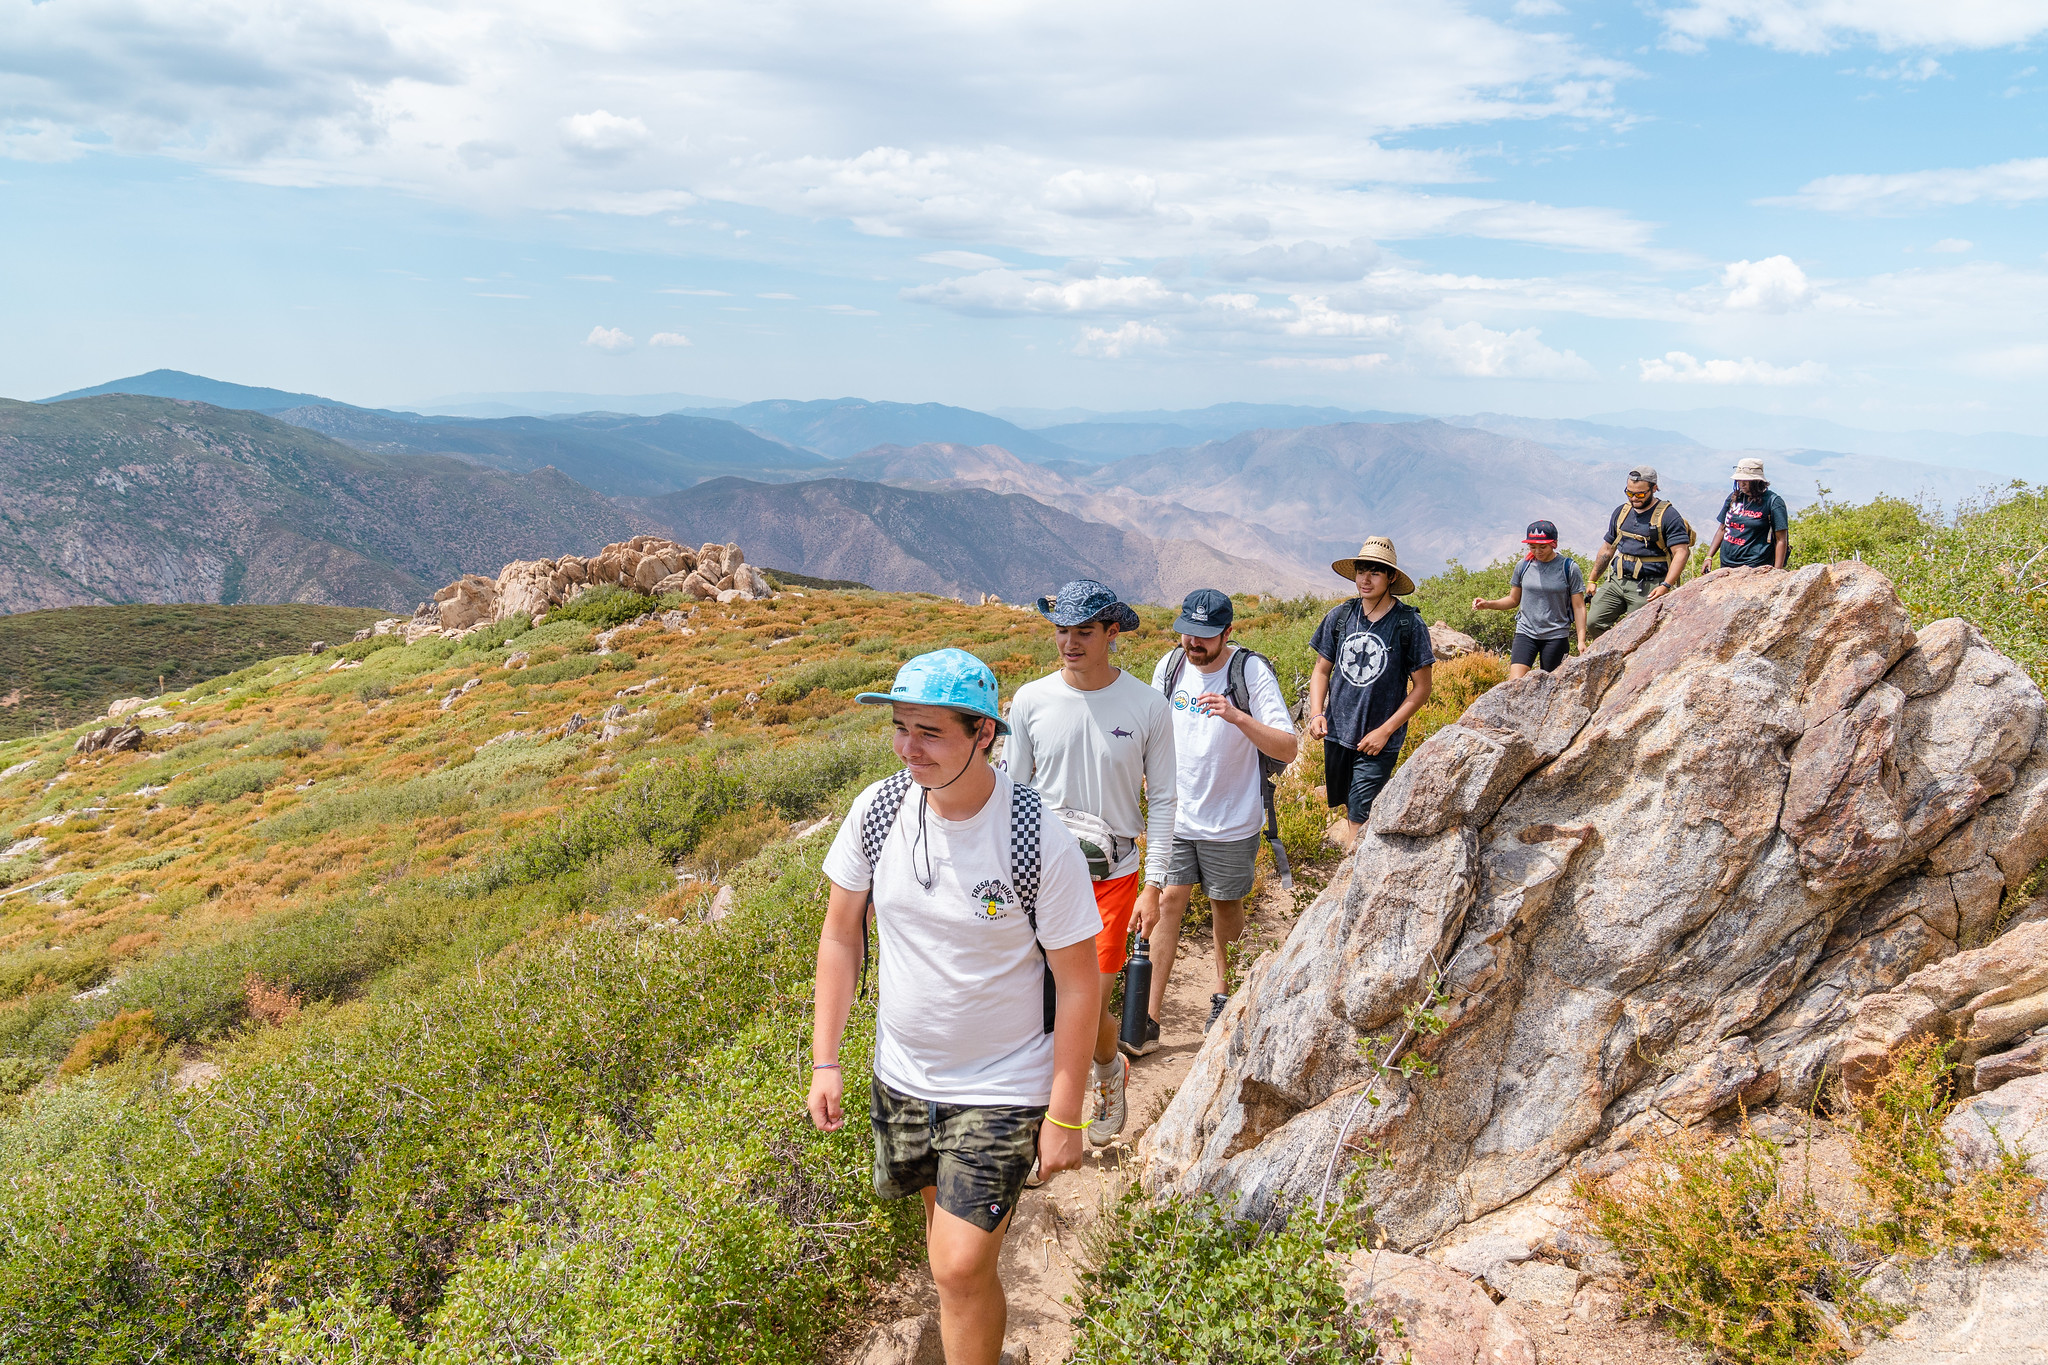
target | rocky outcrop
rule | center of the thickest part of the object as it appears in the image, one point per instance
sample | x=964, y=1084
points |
x=647, y=564
x=1446, y=643
x=1980, y=1000
x=1650, y=886
x=113, y=739
x=1431, y=1315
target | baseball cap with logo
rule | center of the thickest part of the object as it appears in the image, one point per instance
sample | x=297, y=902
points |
x=952, y=678
x=1541, y=533
x=1205, y=614
x=1643, y=473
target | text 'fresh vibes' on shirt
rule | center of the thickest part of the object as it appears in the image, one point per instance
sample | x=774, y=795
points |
x=962, y=1009
x=1368, y=682
x=1746, y=530
x=1547, y=589
x=1089, y=751
x=1633, y=536
x=1219, y=793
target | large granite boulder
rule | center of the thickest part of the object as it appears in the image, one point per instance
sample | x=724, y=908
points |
x=649, y=564
x=1651, y=886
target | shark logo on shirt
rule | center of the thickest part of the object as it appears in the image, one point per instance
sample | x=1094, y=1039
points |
x=1121, y=733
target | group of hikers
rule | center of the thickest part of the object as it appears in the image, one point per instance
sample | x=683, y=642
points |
x=1004, y=893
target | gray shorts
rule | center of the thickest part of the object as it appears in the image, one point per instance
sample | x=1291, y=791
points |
x=1223, y=868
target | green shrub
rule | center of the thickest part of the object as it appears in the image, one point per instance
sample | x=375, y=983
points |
x=1186, y=1280
x=498, y=775
x=564, y=670
x=363, y=649
x=225, y=784
x=834, y=675
x=19, y=1073
x=292, y=743
x=128, y=1032
x=604, y=606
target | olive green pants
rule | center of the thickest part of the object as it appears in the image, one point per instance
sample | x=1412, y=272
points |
x=1615, y=598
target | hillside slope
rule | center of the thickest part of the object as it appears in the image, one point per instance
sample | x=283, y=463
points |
x=953, y=542
x=125, y=499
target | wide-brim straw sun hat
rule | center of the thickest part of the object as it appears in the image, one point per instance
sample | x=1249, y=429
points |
x=1376, y=550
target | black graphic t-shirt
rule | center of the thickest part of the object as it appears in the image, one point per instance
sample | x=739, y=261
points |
x=1746, y=527
x=1367, y=682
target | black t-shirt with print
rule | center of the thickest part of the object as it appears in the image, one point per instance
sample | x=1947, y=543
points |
x=1631, y=533
x=1367, y=682
x=1746, y=527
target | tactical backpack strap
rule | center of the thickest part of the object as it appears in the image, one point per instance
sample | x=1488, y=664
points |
x=1239, y=687
x=1027, y=814
x=874, y=832
x=1175, y=661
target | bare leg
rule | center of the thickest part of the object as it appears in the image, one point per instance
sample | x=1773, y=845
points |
x=1106, y=1029
x=1173, y=905
x=1345, y=833
x=1227, y=923
x=972, y=1309
x=1517, y=670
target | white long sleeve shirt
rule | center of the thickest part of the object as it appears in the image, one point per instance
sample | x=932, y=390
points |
x=1095, y=752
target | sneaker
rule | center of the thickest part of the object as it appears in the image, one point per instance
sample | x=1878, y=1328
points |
x=1151, y=1043
x=1036, y=1178
x=1109, y=1105
x=1216, y=1004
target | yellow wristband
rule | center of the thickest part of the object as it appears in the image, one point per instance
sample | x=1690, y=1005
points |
x=1070, y=1127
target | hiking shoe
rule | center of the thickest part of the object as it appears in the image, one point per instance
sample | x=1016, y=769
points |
x=1216, y=1004
x=1151, y=1043
x=1110, y=1107
x=1036, y=1178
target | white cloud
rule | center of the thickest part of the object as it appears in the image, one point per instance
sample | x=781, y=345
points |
x=2009, y=182
x=1537, y=9
x=848, y=310
x=1952, y=246
x=1676, y=367
x=1339, y=364
x=1774, y=284
x=960, y=260
x=996, y=292
x=612, y=339
x=1477, y=352
x=601, y=135
x=1115, y=343
x=1316, y=318
x=1303, y=261
x=1824, y=25
x=666, y=339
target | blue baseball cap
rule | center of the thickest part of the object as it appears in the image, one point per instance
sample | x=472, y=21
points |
x=1085, y=600
x=952, y=678
x=1205, y=614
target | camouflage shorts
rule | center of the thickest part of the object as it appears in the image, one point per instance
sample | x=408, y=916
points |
x=976, y=1155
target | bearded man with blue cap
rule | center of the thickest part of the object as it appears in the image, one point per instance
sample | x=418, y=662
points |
x=987, y=980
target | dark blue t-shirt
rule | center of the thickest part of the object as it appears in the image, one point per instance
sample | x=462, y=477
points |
x=1746, y=528
x=1367, y=682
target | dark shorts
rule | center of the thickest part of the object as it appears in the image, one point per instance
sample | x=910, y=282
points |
x=977, y=1156
x=1353, y=779
x=1222, y=867
x=1544, y=654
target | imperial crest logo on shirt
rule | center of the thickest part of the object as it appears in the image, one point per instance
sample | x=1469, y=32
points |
x=1363, y=658
x=991, y=901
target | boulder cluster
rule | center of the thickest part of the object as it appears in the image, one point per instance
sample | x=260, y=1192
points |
x=1749, y=845
x=532, y=587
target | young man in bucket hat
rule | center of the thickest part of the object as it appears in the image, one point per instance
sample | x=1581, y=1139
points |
x=1373, y=671
x=987, y=984
x=1752, y=530
x=1227, y=712
x=1093, y=740
x=1648, y=541
x=1548, y=596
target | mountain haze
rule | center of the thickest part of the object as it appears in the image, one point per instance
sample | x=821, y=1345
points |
x=197, y=388
x=839, y=427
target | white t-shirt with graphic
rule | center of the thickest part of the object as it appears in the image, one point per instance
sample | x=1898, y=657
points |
x=1093, y=751
x=1219, y=790
x=962, y=1010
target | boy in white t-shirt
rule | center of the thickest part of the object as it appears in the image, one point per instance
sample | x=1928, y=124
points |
x=1221, y=806
x=975, y=1049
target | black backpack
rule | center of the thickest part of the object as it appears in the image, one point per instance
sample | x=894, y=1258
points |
x=1026, y=809
x=1240, y=693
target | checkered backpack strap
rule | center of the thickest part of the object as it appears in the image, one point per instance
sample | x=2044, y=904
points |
x=874, y=832
x=1027, y=812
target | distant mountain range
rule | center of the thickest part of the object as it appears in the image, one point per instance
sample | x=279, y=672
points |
x=839, y=427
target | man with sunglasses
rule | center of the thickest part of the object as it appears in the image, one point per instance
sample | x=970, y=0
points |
x=1648, y=543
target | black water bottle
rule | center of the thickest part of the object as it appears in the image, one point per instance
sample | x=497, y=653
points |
x=1137, y=997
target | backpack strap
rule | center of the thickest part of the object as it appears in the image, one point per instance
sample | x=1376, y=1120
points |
x=874, y=832
x=1176, y=660
x=1027, y=814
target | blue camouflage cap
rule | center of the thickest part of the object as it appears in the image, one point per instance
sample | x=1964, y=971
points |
x=1085, y=600
x=952, y=678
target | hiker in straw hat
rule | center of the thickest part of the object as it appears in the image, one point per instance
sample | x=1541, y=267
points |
x=1752, y=526
x=1373, y=666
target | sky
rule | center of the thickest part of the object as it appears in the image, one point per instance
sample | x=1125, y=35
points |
x=1825, y=207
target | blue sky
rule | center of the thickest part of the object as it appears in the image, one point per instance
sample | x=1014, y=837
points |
x=1831, y=207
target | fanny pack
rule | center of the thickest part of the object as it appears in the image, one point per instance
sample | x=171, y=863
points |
x=1102, y=846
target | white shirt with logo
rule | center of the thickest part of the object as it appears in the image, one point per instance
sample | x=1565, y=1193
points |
x=1094, y=751
x=962, y=1008
x=1220, y=798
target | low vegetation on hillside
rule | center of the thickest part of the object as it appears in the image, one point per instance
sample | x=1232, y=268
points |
x=63, y=666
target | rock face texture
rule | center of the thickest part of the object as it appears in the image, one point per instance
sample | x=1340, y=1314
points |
x=646, y=564
x=1443, y=1318
x=1651, y=885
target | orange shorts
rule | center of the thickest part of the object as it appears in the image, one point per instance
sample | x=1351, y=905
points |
x=1115, y=899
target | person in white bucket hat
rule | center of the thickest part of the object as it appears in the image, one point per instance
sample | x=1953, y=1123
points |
x=1753, y=526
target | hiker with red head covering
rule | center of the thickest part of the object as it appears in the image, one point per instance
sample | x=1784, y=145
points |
x=1548, y=596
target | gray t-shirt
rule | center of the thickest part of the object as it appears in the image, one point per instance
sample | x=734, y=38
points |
x=1546, y=612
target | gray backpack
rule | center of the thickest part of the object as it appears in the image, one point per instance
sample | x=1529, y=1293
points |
x=1026, y=810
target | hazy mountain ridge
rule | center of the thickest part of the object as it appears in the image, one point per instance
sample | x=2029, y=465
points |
x=841, y=427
